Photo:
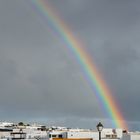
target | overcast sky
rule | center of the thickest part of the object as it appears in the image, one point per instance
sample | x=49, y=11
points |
x=40, y=82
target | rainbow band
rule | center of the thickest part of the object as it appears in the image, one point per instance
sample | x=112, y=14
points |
x=92, y=75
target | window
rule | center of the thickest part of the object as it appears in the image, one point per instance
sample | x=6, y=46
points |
x=60, y=136
x=111, y=136
x=114, y=136
x=50, y=135
x=108, y=136
x=54, y=136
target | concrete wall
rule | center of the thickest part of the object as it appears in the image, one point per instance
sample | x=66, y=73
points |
x=93, y=135
x=126, y=137
x=5, y=134
x=134, y=136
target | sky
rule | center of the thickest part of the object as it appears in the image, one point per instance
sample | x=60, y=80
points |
x=39, y=80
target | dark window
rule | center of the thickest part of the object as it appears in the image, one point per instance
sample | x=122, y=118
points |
x=108, y=136
x=60, y=136
x=53, y=136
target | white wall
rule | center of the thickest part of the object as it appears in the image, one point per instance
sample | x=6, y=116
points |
x=134, y=136
x=93, y=135
x=126, y=137
x=110, y=131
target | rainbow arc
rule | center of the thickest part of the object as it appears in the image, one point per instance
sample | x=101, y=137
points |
x=91, y=73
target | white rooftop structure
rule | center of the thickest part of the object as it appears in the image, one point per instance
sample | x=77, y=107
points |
x=131, y=136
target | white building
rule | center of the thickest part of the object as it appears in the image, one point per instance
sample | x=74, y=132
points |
x=107, y=134
x=131, y=136
x=30, y=132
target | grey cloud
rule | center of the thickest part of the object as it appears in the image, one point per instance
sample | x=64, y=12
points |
x=40, y=80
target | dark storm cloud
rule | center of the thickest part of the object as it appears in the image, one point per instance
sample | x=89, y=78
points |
x=40, y=81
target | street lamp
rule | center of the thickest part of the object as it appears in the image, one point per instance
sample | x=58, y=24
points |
x=99, y=128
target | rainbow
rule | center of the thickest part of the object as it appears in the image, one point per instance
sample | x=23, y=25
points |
x=91, y=74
